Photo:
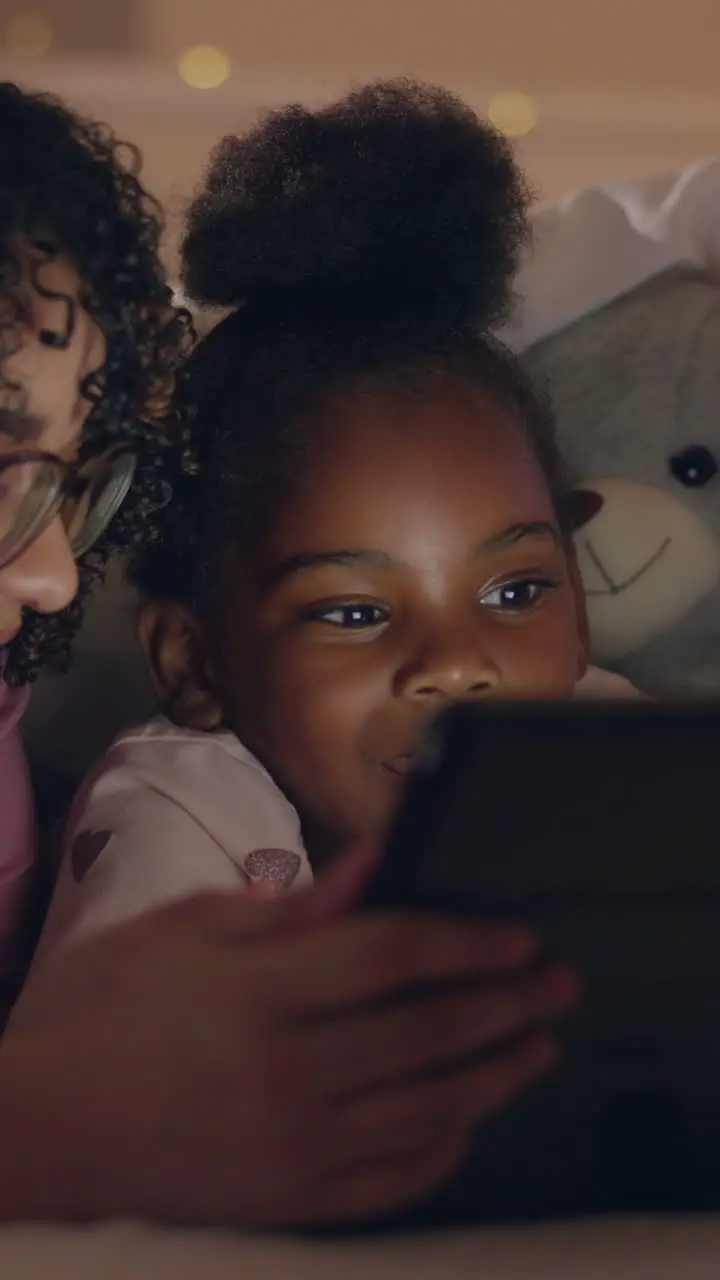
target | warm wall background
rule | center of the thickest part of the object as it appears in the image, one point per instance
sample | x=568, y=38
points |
x=619, y=86
x=621, y=44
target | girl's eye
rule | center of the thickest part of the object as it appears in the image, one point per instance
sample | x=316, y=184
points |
x=351, y=616
x=518, y=595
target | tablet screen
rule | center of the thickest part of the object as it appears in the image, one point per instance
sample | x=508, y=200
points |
x=601, y=827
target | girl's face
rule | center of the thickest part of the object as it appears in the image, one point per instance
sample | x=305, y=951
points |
x=42, y=407
x=416, y=562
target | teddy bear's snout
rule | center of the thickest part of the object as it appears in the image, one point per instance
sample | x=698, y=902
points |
x=645, y=557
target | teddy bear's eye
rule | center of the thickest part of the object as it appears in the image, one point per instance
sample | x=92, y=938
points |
x=694, y=467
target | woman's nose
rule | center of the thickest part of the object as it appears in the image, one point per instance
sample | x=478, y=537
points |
x=451, y=672
x=44, y=577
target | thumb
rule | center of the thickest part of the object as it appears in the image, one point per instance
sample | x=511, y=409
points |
x=340, y=888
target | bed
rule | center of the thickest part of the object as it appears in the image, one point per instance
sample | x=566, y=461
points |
x=632, y=1250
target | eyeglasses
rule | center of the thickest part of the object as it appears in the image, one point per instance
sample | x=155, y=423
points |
x=35, y=487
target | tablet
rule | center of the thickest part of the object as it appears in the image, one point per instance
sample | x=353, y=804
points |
x=598, y=824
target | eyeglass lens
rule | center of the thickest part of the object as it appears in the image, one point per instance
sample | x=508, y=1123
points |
x=31, y=494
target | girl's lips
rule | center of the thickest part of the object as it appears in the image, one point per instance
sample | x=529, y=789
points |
x=399, y=766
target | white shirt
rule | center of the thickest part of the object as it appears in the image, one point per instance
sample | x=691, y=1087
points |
x=169, y=812
x=166, y=813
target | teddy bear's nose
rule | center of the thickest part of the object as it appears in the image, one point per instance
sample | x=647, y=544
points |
x=582, y=505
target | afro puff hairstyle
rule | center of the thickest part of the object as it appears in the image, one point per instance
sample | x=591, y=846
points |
x=373, y=239
x=67, y=183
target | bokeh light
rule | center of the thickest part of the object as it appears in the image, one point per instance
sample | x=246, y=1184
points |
x=27, y=35
x=514, y=114
x=204, y=67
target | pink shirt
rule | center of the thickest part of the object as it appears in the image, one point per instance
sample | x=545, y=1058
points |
x=17, y=819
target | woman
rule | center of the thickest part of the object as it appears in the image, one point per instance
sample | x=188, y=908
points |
x=181, y=1073
x=88, y=349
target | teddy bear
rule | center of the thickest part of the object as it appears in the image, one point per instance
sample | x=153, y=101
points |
x=621, y=324
x=636, y=391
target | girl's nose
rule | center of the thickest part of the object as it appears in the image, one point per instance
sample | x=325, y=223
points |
x=455, y=671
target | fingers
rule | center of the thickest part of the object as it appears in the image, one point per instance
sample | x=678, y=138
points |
x=377, y=1047
x=375, y=1187
x=452, y=1100
x=320, y=967
x=397, y=1147
x=375, y=957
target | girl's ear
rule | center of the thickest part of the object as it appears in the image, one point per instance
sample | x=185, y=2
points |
x=172, y=640
x=583, y=626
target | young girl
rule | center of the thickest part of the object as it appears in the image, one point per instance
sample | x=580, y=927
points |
x=370, y=522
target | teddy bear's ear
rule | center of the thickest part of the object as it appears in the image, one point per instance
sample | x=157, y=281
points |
x=580, y=506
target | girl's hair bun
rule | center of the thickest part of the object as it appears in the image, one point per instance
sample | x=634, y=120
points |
x=397, y=194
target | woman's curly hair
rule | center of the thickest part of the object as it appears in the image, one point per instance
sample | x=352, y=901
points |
x=375, y=239
x=68, y=183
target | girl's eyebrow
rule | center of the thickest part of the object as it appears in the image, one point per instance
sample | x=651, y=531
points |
x=347, y=556
x=353, y=557
x=516, y=532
